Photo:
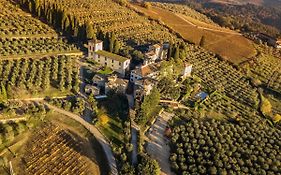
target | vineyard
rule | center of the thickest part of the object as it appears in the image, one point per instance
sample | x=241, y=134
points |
x=103, y=15
x=53, y=150
x=39, y=75
x=219, y=147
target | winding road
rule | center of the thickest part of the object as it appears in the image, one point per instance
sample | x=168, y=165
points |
x=97, y=134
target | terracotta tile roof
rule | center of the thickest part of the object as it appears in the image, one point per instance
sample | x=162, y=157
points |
x=146, y=70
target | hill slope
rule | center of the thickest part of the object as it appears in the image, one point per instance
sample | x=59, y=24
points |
x=192, y=26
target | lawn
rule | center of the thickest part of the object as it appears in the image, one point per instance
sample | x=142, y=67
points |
x=105, y=71
x=113, y=130
x=229, y=44
x=116, y=108
x=50, y=92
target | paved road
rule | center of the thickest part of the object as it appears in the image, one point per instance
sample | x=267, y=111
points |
x=134, y=141
x=157, y=145
x=98, y=135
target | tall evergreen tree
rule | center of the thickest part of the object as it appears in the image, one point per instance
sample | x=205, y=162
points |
x=90, y=31
x=116, y=47
x=176, y=53
x=202, y=41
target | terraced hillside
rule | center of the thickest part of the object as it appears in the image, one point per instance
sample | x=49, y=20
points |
x=104, y=15
x=14, y=23
x=32, y=61
x=21, y=35
x=223, y=77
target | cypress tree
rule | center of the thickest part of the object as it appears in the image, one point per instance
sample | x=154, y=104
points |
x=176, y=53
x=3, y=93
x=111, y=42
x=89, y=31
x=202, y=41
x=116, y=47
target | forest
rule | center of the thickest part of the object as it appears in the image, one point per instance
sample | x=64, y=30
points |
x=241, y=17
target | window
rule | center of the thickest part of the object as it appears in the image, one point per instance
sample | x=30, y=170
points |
x=105, y=58
x=112, y=61
x=119, y=63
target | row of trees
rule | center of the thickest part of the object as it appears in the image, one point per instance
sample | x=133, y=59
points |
x=57, y=17
x=148, y=107
x=38, y=75
x=73, y=104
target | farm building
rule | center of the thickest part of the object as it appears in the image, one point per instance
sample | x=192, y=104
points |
x=155, y=53
x=186, y=71
x=116, y=62
x=146, y=71
x=93, y=46
x=118, y=84
x=143, y=87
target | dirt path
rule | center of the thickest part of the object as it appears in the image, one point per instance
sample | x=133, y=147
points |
x=41, y=55
x=97, y=134
x=157, y=145
x=206, y=28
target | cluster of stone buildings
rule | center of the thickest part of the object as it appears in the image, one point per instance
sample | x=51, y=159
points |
x=142, y=78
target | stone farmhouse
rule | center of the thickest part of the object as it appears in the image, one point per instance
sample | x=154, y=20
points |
x=156, y=52
x=118, y=84
x=116, y=62
x=146, y=71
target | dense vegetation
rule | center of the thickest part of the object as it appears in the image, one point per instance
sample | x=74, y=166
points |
x=219, y=147
x=84, y=19
x=247, y=17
